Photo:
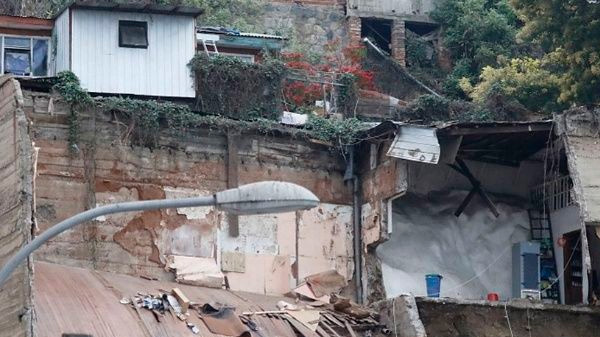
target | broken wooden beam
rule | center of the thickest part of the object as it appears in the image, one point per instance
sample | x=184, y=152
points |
x=463, y=169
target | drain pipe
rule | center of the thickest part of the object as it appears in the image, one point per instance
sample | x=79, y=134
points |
x=350, y=174
x=357, y=242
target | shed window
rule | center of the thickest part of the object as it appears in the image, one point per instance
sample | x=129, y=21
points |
x=133, y=34
x=24, y=56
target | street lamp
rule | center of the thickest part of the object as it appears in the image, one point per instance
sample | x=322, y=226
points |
x=256, y=198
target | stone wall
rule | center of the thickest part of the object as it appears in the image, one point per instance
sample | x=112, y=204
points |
x=309, y=25
x=104, y=168
x=16, y=200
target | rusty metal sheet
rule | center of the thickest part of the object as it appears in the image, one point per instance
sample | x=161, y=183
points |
x=75, y=300
x=416, y=143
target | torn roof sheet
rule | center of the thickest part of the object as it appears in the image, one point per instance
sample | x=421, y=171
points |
x=505, y=143
x=81, y=301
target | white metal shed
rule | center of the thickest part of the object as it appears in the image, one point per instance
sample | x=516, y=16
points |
x=135, y=49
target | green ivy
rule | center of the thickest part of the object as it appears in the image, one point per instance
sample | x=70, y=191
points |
x=149, y=117
x=347, y=94
x=68, y=86
x=340, y=132
x=230, y=87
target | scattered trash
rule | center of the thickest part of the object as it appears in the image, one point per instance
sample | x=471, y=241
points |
x=346, y=306
x=221, y=319
x=340, y=317
x=283, y=305
x=184, y=302
x=193, y=327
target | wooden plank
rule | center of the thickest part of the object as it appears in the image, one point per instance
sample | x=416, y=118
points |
x=322, y=332
x=330, y=329
x=300, y=328
x=350, y=330
x=495, y=129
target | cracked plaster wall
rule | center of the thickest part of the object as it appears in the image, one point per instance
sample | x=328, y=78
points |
x=261, y=259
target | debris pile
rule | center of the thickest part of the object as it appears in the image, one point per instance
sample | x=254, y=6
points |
x=174, y=303
x=314, y=310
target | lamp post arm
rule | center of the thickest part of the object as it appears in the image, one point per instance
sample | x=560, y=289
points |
x=91, y=214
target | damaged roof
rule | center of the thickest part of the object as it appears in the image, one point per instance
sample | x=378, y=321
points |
x=69, y=300
x=506, y=143
x=234, y=32
x=133, y=7
x=81, y=301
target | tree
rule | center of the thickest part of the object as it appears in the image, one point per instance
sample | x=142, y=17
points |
x=527, y=81
x=475, y=32
x=569, y=32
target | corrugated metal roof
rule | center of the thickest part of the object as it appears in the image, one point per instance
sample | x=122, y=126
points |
x=82, y=301
x=416, y=144
x=233, y=32
x=134, y=7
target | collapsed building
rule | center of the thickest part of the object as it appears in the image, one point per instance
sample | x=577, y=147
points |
x=403, y=201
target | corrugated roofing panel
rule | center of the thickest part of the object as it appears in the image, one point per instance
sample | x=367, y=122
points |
x=416, y=144
x=75, y=300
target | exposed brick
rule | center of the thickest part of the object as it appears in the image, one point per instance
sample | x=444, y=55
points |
x=399, y=41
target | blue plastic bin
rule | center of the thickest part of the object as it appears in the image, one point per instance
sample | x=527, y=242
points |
x=434, y=283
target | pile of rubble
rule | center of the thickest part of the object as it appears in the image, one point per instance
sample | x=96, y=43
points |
x=314, y=310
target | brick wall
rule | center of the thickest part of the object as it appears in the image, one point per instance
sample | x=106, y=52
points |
x=399, y=41
x=354, y=28
x=16, y=172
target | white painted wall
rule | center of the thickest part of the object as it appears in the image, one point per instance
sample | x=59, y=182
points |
x=428, y=238
x=104, y=67
x=60, y=50
x=566, y=220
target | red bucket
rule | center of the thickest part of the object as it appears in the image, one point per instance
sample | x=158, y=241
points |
x=493, y=297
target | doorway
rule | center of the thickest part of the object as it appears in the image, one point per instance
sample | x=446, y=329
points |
x=378, y=31
x=573, y=265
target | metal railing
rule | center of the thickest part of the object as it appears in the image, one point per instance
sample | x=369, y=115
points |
x=555, y=194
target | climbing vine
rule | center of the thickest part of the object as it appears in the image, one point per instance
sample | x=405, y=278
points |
x=230, y=87
x=69, y=87
x=147, y=118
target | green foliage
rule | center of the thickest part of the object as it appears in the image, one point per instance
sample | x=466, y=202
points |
x=230, y=87
x=148, y=117
x=340, y=132
x=526, y=80
x=347, y=94
x=239, y=14
x=475, y=32
x=419, y=53
x=431, y=108
x=68, y=86
x=569, y=31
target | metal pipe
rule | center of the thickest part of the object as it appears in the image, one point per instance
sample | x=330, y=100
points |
x=356, y=223
x=91, y=214
x=357, y=241
x=401, y=68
